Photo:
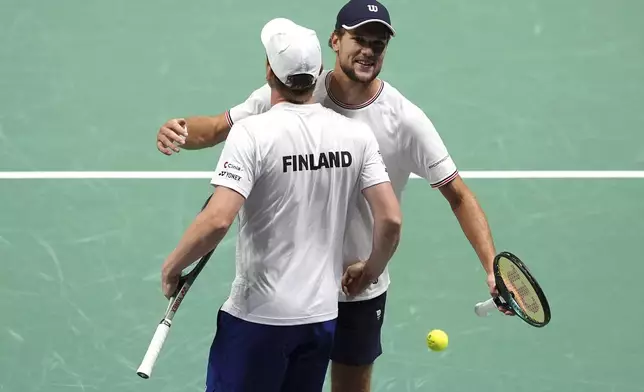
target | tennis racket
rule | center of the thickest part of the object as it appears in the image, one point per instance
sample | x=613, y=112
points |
x=186, y=281
x=518, y=291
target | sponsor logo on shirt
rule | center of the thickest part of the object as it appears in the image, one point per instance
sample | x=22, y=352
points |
x=231, y=165
x=323, y=160
x=227, y=174
x=443, y=159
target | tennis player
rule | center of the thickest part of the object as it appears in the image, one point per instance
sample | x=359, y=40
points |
x=409, y=143
x=290, y=174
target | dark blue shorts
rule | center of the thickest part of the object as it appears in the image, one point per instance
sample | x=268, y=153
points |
x=250, y=357
x=357, y=334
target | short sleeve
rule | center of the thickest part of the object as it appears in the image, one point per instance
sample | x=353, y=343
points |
x=236, y=168
x=427, y=155
x=374, y=170
x=258, y=102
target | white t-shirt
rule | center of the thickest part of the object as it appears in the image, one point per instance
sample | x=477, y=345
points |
x=408, y=142
x=299, y=167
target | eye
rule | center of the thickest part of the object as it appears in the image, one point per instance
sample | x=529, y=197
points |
x=361, y=41
x=378, y=46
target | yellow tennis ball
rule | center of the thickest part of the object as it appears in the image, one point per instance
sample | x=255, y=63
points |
x=437, y=340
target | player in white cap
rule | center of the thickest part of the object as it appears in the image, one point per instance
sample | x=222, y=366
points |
x=409, y=143
x=291, y=175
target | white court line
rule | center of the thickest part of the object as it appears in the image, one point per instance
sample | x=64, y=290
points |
x=483, y=174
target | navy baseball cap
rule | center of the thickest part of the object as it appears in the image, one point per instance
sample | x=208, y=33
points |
x=359, y=12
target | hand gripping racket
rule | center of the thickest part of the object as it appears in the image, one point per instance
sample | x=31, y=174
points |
x=186, y=281
x=518, y=291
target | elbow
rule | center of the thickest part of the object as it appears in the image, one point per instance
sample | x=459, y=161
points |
x=220, y=225
x=393, y=224
x=457, y=194
x=217, y=225
x=217, y=231
x=455, y=205
x=387, y=229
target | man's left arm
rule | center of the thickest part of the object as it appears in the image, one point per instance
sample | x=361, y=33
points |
x=472, y=219
x=233, y=179
x=430, y=159
x=474, y=224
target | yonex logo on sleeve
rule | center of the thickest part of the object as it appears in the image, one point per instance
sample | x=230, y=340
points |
x=226, y=174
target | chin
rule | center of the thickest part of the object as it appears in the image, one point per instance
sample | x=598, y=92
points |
x=365, y=77
x=366, y=74
x=358, y=75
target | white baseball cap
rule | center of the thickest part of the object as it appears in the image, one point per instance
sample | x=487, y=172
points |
x=291, y=49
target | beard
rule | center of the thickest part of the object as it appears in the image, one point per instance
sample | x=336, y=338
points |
x=351, y=74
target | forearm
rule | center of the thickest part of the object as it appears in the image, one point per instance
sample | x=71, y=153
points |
x=386, y=236
x=204, y=234
x=205, y=131
x=475, y=226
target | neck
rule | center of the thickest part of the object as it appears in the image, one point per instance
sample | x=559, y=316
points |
x=349, y=91
x=276, y=98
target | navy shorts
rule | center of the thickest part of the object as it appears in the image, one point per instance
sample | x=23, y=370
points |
x=357, y=334
x=250, y=357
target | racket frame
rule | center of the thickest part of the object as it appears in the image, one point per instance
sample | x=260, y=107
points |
x=508, y=297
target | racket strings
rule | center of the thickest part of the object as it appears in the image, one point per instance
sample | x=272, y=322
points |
x=523, y=292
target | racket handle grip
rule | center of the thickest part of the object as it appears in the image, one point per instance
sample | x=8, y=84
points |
x=151, y=355
x=484, y=308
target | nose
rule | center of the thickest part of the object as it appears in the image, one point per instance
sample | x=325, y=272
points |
x=373, y=49
x=367, y=51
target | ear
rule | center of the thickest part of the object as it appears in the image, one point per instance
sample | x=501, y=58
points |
x=335, y=42
x=270, y=76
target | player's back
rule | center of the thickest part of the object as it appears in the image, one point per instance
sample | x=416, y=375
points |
x=407, y=139
x=308, y=161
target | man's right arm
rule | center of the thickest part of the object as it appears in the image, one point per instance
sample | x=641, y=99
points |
x=198, y=132
x=385, y=209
